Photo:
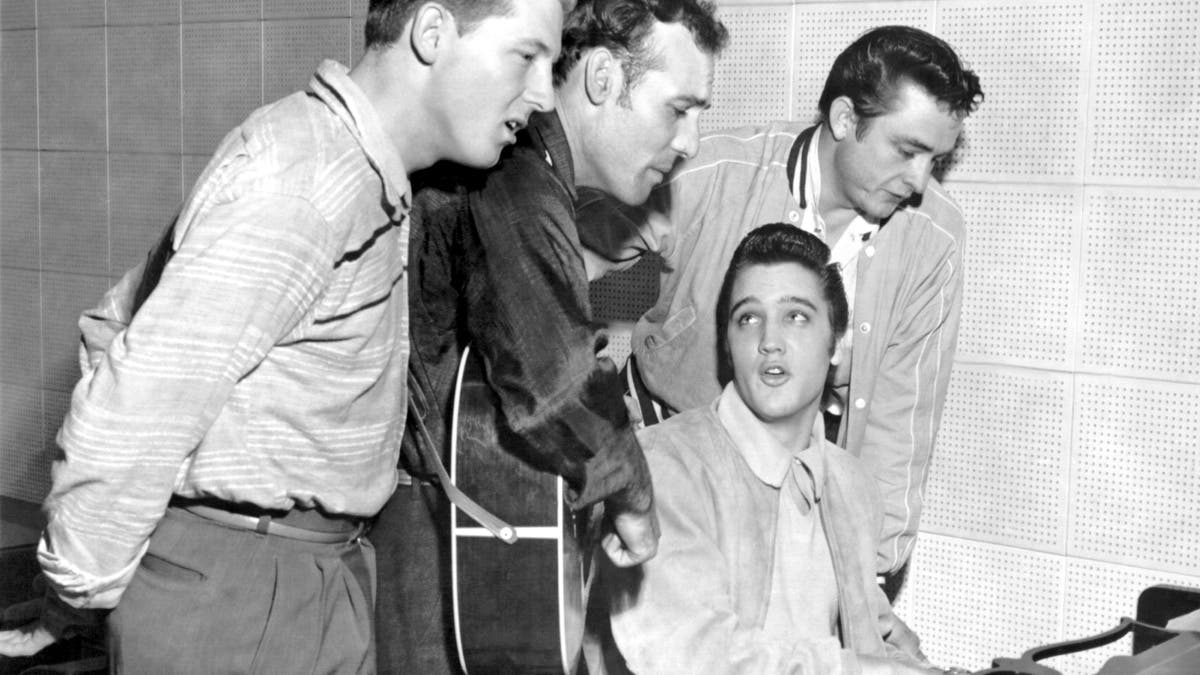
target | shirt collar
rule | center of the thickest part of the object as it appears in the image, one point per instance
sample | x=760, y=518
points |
x=547, y=136
x=859, y=229
x=767, y=457
x=332, y=84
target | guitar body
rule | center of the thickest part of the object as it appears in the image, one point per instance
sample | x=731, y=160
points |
x=519, y=607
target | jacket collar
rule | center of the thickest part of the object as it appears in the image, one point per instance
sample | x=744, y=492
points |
x=767, y=458
x=546, y=135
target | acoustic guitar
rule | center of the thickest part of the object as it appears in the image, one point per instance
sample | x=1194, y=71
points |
x=519, y=585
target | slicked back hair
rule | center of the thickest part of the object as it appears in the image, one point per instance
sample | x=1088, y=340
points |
x=776, y=244
x=874, y=67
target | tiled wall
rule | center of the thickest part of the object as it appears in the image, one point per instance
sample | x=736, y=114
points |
x=108, y=112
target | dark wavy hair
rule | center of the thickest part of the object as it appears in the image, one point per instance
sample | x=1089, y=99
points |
x=775, y=244
x=871, y=70
x=623, y=26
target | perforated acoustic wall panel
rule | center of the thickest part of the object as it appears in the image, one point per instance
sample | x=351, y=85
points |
x=824, y=29
x=1145, y=124
x=970, y=601
x=25, y=471
x=1141, y=290
x=996, y=481
x=624, y=296
x=20, y=244
x=141, y=60
x=1020, y=273
x=753, y=75
x=296, y=9
x=292, y=50
x=18, y=89
x=71, y=89
x=1136, y=474
x=222, y=80
x=1097, y=594
x=145, y=190
x=142, y=12
x=1031, y=56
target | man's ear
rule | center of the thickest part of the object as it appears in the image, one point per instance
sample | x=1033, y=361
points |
x=430, y=23
x=601, y=75
x=842, y=119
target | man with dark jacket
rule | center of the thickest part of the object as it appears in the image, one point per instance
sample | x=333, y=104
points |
x=502, y=267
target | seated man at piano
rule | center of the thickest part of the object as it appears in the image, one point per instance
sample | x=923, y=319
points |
x=766, y=562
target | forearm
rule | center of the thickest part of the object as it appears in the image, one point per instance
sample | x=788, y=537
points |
x=571, y=419
x=529, y=313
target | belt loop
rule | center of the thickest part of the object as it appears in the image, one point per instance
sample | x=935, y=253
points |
x=264, y=525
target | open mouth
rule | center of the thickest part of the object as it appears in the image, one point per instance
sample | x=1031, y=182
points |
x=773, y=373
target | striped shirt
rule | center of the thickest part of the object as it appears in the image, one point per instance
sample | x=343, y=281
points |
x=269, y=364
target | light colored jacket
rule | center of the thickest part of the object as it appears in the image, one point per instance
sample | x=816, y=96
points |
x=699, y=605
x=905, y=315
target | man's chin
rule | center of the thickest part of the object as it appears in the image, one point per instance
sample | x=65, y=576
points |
x=484, y=160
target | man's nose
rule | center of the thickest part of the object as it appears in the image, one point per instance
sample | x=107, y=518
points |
x=770, y=342
x=918, y=172
x=539, y=87
x=687, y=139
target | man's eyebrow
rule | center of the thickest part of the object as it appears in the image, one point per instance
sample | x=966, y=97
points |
x=920, y=145
x=536, y=43
x=786, y=300
x=797, y=300
x=694, y=102
x=749, y=298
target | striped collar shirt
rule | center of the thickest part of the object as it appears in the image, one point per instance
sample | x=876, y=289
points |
x=268, y=366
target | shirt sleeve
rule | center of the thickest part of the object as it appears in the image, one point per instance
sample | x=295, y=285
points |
x=906, y=404
x=530, y=315
x=98, y=327
x=675, y=613
x=243, y=278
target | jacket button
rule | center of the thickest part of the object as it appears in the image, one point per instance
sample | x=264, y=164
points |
x=860, y=403
x=864, y=328
x=794, y=216
x=870, y=251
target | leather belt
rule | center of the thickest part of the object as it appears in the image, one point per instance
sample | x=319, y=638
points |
x=333, y=530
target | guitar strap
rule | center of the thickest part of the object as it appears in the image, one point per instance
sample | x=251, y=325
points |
x=502, y=530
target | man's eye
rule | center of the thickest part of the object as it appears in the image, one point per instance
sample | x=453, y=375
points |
x=746, y=319
x=798, y=317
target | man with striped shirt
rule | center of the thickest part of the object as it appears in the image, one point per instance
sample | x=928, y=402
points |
x=231, y=433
